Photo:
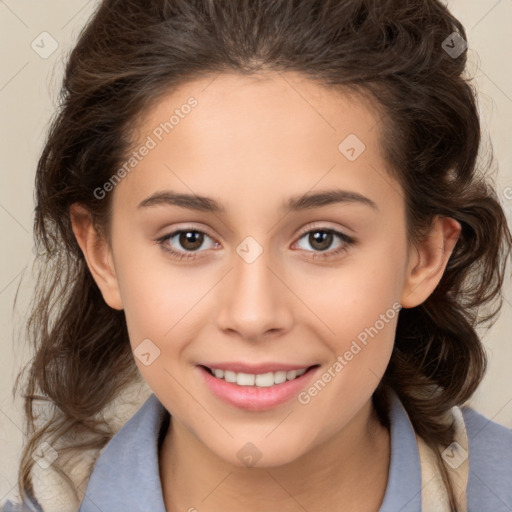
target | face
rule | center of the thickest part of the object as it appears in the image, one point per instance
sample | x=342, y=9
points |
x=295, y=258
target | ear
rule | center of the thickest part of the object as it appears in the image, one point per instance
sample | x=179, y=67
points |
x=428, y=260
x=97, y=253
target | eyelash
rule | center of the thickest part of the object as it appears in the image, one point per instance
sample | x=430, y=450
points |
x=347, y=242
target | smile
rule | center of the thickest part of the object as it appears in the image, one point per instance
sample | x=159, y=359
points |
x=256, y=391
x=261, y=380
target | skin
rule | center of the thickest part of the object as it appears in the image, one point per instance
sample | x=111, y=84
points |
x=251, y=143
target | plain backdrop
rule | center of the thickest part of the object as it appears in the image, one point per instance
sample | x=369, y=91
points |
x=29, y=83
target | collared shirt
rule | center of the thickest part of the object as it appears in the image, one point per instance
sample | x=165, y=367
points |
x=126, y=475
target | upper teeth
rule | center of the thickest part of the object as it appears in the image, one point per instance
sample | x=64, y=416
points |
x=260, y=380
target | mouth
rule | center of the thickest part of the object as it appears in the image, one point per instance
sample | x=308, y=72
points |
x=260, y=380
x=256, y=391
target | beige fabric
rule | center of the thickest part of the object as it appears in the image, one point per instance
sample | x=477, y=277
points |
x=51, y=490
x=434, y=497
x=54, y=494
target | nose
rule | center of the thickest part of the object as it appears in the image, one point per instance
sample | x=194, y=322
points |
x=255, y=300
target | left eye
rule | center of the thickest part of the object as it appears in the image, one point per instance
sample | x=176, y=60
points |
x=321, y=239
x=191, y=241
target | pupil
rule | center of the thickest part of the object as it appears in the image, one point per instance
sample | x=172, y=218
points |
x=324, y=237
x=191, y=240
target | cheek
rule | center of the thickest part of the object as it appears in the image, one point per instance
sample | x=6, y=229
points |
x=362, y=316
x=359, y=312
x=363, y=291
x=161, y=299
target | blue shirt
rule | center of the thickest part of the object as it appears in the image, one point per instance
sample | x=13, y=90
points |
x=126, y=475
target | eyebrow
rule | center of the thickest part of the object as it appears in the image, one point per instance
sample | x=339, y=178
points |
x=296, y=203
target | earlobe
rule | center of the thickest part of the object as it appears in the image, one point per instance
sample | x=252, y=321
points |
x=427, y=265
x=97, y=254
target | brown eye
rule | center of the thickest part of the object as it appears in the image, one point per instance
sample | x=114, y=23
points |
x=320, y=240
x=185, y=243
x=191, y=240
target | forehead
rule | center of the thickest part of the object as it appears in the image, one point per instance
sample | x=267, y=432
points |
x=269, y=134
x=230, y=107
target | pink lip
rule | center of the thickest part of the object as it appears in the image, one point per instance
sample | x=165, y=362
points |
x=255, y=369
x=254, y=398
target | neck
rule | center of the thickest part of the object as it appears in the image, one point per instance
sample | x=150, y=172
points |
x=335, y=475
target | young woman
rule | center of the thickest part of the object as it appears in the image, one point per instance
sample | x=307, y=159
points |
x=267, y=217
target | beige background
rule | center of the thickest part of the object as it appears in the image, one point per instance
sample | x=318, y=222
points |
x=29, y=86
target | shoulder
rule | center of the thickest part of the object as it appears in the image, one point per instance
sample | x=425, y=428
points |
x=127, y=408
x=9, y=506
x=490, y=444
x=490, y=463
x=144, y=424
x=135, y=449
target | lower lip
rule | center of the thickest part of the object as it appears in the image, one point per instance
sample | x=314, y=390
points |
x=255, y=398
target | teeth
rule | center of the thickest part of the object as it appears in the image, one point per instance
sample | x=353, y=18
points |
x=262, y=380
x=219, y=373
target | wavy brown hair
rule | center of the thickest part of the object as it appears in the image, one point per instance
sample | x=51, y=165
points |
x=131, y=53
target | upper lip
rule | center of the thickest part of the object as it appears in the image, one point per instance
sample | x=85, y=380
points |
x=255, y=368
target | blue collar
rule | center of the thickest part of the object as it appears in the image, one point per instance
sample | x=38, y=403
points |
x=126, y=475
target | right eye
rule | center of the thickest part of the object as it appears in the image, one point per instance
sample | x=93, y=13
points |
x=190, y=240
